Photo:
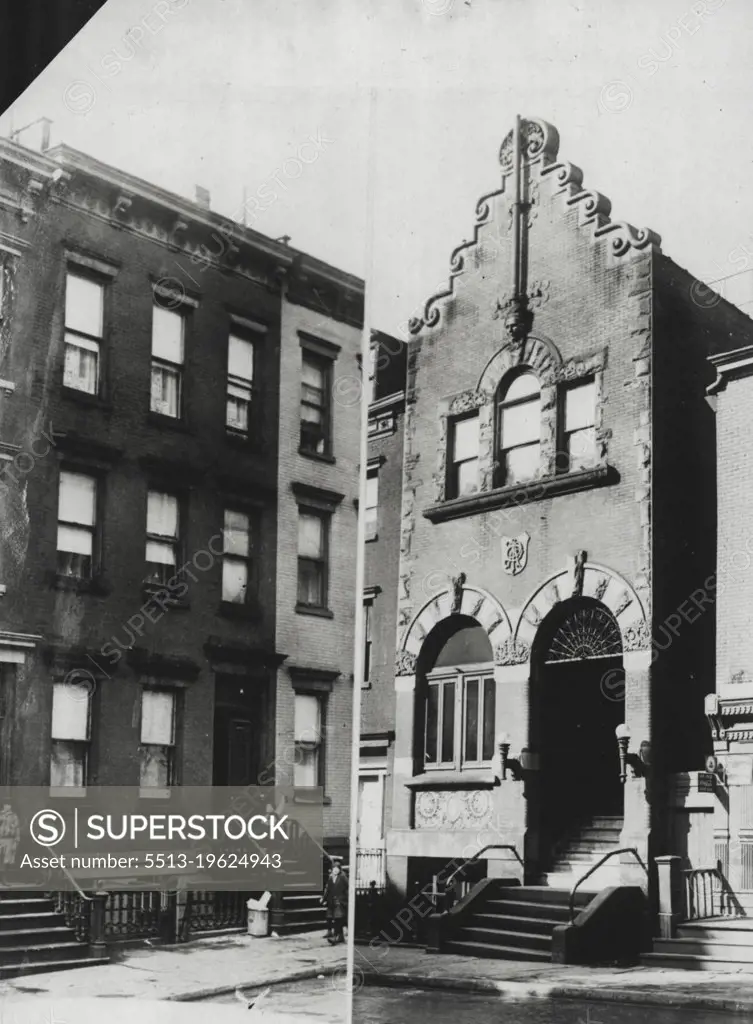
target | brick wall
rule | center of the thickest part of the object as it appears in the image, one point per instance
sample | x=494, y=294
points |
x=311, y=642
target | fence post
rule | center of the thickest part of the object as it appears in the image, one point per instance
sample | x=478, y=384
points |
x=670, y=895
x=97, y=924
x=169, y=917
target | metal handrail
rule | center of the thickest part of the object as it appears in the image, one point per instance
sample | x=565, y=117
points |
x=490, y=846
x=76, y=886
x=595, y=867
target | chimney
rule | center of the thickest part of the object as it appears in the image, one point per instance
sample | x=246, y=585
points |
x=201, y=196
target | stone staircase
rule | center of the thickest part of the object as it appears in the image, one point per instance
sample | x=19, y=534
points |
x=34, y=938
x=723, y=944
x=581, y=849
x=514, y=922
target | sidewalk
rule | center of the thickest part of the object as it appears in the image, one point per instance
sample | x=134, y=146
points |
x=391, y=966
x=192, y=971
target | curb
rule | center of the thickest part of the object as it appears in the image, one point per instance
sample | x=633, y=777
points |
x=545, y=990
x=304, y=974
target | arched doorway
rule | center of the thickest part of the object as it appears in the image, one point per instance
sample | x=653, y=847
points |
x=579, y=700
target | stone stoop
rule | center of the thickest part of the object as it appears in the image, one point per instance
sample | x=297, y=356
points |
x=723, y=944
x=34, y=938
x=514, y=923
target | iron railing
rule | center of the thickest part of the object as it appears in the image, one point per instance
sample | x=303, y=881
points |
x=594, y=867
x=703, y=891
x=370, y=868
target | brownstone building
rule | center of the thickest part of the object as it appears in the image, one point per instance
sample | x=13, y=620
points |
x=558, y=506
x=178, y=543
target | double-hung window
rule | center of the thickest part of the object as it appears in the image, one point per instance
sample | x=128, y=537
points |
x=168, y=334
x=313, y=557
x=459, y=723
x=309, y=760
x=464, y=467
x=162, y=537
x=240, y=382
x=84, y=320
x=578, y=426
x=316, y=372
x=371, y=504
x=77, y=518
x=236, y=558
x=157, y=762
x=70, y=734
x=519, y=430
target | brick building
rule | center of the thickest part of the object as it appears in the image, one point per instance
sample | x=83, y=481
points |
x=178, y=544
x=728, y=836
x=556, y=436
x=383, y=503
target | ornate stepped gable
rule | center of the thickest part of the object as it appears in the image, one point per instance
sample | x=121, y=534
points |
x=540, y=147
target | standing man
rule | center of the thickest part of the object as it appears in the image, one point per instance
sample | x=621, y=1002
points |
x=335, y=897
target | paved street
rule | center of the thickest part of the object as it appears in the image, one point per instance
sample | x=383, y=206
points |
x=409, y=970
x=391, y=1006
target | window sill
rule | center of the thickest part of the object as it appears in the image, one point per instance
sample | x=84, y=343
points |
x=245, y=442
x=450, y=778
x=371, y=537
x=521, y=494
x=324, y=457
x=310, y=609
x=85, y=398
x=150, y=590
x=158, y=419
x=245, y=612
x=303, y=796
x=96, y=585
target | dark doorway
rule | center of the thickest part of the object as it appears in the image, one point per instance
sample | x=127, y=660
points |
x=238, y=721
x=580, y=700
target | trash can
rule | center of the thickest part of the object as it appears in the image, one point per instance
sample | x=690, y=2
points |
x=258, y=916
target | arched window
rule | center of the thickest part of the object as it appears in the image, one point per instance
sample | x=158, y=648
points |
x=460, y=702
x=519, y=430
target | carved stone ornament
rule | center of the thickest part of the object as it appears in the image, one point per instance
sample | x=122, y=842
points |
x=637, y=637
x=405, y=664
x=469, y=809
x=515, y=553
x=458, y=582
x=579, y=569
x=511, y=652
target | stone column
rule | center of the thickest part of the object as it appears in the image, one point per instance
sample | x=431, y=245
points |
x=513, y=822
x=402, y=772
x=636, y=831
x=669, y=895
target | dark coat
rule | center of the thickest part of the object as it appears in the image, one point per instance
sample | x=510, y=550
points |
x=336, y=897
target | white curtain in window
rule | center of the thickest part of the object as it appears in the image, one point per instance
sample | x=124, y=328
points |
x=70, y=711
x=372, y=491
x=75, y=540
x=236, y=534
x=240, y=358
x=66, y=765
x=77, y=498
x=234, y=580
x=167, y=335
x=83, y=305
x=307, y=718
x=310, y=536
x=162, y=514
x=81, y=362
x=157, y=717
x=165, y=396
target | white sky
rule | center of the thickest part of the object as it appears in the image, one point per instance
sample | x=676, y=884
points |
x=221, y=92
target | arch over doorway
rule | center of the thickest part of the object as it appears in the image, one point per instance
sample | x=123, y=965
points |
x=577, y=701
